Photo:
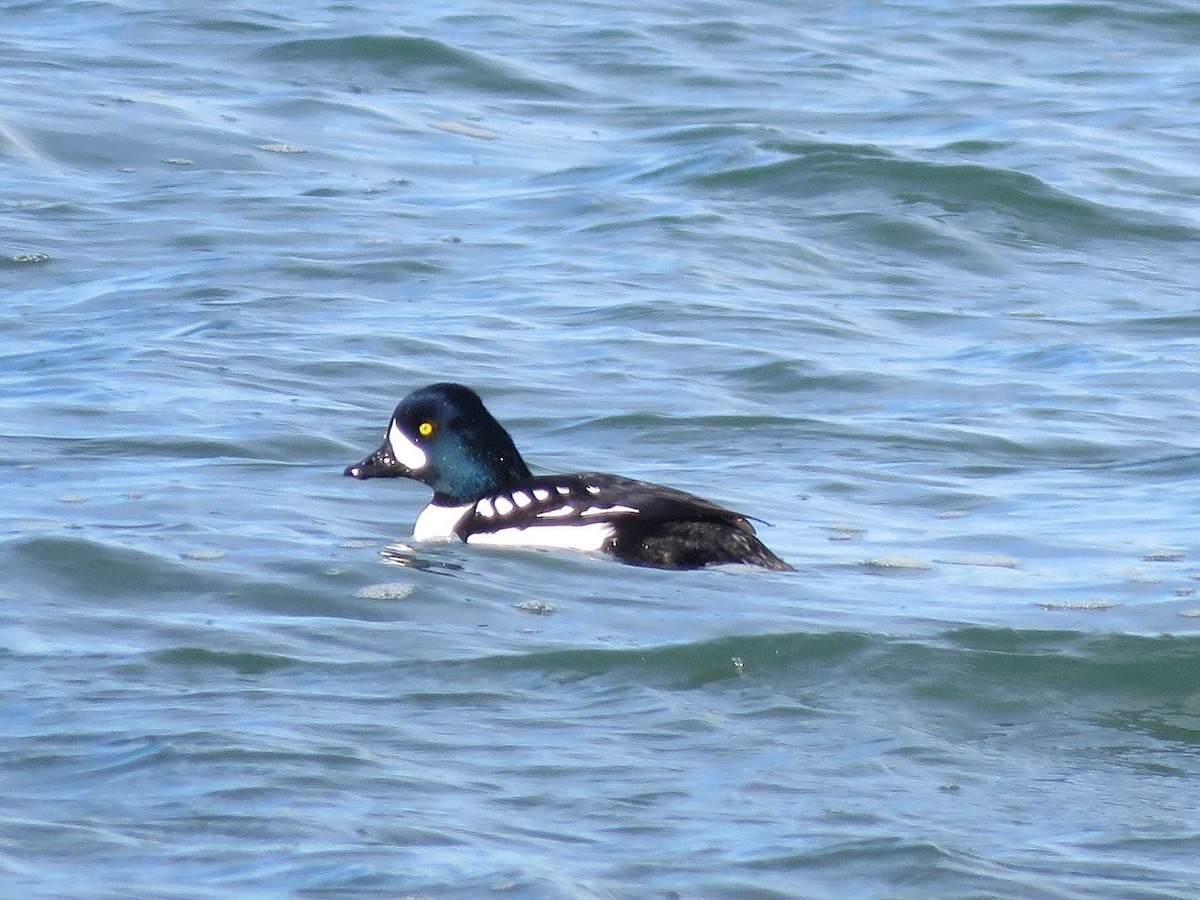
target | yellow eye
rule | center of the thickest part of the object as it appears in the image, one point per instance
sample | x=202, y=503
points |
x=425, y=429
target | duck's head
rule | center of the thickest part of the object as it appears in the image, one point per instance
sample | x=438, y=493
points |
x=443, y=436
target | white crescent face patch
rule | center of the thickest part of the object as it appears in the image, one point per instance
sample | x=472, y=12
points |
x=406, y=452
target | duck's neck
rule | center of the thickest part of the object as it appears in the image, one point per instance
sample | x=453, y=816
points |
x=473, y=473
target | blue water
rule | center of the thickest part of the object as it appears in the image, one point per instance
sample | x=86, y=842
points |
x=914, y=283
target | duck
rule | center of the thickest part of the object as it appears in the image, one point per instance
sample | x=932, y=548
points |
x=483, y=493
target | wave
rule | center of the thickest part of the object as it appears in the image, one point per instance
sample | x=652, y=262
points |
x=1037, y=209
x=90, y=568
x=398, y=57
x=968, y=665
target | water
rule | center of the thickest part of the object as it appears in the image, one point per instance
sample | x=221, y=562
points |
x=912, y=282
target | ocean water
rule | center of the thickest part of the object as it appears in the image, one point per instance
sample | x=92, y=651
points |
x=915, y=283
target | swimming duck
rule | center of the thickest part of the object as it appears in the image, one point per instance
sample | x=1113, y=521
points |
x=483, y=493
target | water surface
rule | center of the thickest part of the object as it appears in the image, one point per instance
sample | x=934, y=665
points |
x=913, y=283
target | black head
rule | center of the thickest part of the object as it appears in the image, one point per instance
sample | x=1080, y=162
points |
x=444, y=436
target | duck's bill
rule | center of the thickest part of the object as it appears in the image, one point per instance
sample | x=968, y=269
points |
x=380, y=464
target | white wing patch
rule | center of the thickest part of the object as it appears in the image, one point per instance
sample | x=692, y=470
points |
x=406, y=452
x=590, y=537
x=525, y=518
x=603, y=510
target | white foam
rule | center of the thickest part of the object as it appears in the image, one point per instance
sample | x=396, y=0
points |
x=389, y=591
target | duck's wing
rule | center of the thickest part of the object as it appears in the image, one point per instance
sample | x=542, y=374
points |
x=546, y=501
x=638, y=522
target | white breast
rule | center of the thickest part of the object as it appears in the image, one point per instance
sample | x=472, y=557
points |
x=438, y=522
